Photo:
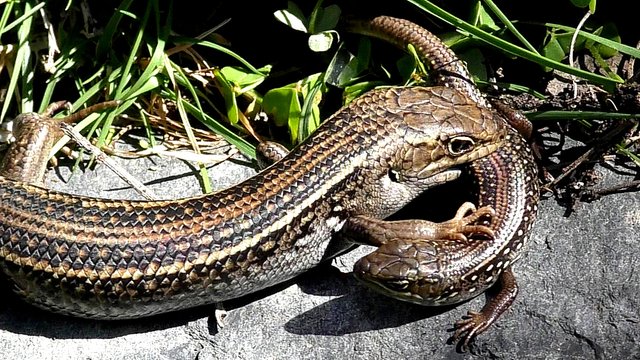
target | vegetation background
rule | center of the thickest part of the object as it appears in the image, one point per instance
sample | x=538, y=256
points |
x=247, y=70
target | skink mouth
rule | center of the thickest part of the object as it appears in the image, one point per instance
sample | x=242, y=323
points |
x=393, y=285
x=399, y=290
x=443, y=177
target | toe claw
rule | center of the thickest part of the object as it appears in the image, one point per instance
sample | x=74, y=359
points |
x=466, y=329
x=464, y=223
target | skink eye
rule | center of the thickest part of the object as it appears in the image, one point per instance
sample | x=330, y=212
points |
x=460, y=145
x=397, y=285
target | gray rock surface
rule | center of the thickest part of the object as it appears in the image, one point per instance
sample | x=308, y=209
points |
x=579, y=299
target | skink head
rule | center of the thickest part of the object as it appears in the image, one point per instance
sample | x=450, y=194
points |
x=443, y=128
x=410, y=270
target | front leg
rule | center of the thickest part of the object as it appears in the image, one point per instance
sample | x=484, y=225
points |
x=375, y=232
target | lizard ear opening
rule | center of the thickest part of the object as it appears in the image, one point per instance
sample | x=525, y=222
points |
x=394, y=176
x=460, y=145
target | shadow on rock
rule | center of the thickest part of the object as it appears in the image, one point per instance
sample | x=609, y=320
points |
x=326, y=280
x=19, y=317
x=358, y=311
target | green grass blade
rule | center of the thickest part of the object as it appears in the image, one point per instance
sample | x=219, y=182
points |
x=243, y=146
x=133, y=55
x=223, y=50
x=625, y=49
x=509, y=48
x=111, y=28
x=6, y=14
x=156, y=62
x=175, y=72
x=635, y=158
x=22, y=18
x=554, y=115
x=21, y=71
x=505, y=20
x=513, y=87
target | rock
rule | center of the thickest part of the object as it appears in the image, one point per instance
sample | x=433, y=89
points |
x=579, y=283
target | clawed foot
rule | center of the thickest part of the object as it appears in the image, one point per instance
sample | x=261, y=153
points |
x=499, y=299
x=463, y=224
x=465, y=330
x=463, y=228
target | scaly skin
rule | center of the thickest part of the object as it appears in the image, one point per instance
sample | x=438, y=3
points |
x=419, y=262
x=113, y=259
x=415, y=265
